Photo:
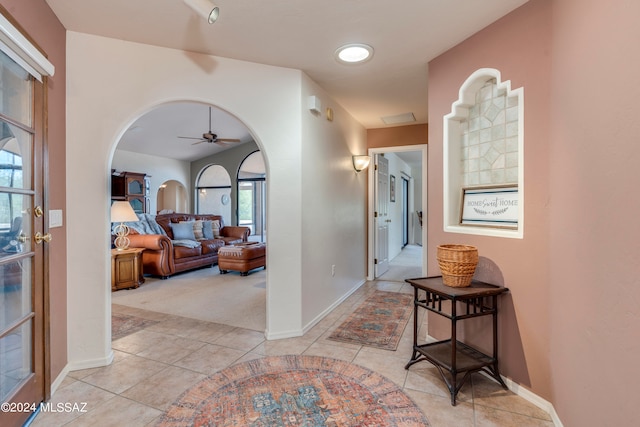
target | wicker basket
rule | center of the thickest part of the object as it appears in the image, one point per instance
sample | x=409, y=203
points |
x=457, y=263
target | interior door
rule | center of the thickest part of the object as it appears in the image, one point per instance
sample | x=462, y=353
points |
x=381, y=215
x=22, y=361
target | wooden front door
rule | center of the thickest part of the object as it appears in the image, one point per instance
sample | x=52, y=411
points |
x=22, y=296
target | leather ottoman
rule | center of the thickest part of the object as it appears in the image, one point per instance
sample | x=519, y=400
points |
x=241, y=257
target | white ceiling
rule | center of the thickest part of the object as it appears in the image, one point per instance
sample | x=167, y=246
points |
x=301, y=34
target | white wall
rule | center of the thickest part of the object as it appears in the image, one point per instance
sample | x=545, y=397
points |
x=110, y=84
x=158, y=169
x=333, y=206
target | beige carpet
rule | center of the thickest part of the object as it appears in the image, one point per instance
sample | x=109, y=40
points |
x=204, y=294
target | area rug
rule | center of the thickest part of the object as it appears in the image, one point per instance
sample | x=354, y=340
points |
x=123, y=325
x=296, y=391
x=378, y=322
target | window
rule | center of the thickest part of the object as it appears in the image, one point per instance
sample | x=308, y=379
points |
x=252, y=196
x=214, y=192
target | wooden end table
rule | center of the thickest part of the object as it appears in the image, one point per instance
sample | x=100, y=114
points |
x=451, y=356
x=126, y=268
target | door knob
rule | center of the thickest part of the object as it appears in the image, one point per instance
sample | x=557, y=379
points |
x=39, y=238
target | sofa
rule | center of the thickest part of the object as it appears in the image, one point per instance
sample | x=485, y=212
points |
x=179, y=242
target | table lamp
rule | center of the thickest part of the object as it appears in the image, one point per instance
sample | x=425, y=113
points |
x=122, y=212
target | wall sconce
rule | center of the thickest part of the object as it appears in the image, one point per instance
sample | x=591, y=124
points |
x=360, y=163
x=122, y=212
x=205, y=8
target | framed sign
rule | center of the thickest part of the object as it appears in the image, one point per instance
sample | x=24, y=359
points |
x=392, y=188
x=495, y=206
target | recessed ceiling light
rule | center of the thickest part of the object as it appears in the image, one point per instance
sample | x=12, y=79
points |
x=354, y=53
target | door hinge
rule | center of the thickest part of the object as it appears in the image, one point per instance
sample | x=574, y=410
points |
x=375, y=261
x=375, y=167
x=375, y=214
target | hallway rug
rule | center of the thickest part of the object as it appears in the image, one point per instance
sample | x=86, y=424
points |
x=123, y=325
x=379, y=322
x=309, y=391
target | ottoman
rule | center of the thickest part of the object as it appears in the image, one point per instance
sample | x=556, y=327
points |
x=241, y=257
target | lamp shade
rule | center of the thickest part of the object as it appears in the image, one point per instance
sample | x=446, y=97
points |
x=361, y=162
x=205, y=8
x=122, y=212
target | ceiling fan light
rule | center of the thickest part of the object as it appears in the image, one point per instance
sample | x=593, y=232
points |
x=205, y=8
x=354, y=53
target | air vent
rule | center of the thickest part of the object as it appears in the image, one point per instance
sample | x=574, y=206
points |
x=399, y=118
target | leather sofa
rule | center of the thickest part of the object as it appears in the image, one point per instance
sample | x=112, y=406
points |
x=164, y=255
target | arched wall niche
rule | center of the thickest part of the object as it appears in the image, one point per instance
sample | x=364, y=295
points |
x=483, y=153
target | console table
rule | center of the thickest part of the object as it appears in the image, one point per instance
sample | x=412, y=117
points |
x=451, y=356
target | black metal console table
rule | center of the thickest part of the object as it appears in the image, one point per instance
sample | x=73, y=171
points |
x=451, y=355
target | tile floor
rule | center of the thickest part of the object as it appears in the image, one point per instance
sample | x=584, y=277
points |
x=153, y=366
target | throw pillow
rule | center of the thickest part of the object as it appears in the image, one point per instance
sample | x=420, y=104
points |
x=215, y=227
x=207, y=231
x=182, y=230
x=197, y=229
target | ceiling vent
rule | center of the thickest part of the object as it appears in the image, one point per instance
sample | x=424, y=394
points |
x=399, y=118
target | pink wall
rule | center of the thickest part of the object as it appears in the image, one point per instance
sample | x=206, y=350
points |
x=570, y=327
x=518, y=46
x=43, y=27
x=594, y=235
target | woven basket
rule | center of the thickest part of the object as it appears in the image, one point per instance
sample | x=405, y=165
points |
x=458, y=264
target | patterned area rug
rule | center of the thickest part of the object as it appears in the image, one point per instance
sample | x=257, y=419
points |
x=123, y=325
x=379, y=322
x=296, y=391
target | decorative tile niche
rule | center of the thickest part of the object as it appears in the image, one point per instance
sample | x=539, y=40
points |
x=483, y=147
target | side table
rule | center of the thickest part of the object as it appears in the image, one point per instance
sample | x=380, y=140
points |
x=126, y=268
x=451, y=356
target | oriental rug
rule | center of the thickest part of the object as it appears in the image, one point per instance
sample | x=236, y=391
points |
x=378, y=322
x=296, y=391
x=123, y=325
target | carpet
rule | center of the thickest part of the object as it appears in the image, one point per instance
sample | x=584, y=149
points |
x=378, y=322
x=123, y=325
x=304, y=391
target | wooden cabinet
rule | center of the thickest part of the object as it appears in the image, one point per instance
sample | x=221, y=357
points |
x=132, y=187
x=126, y=268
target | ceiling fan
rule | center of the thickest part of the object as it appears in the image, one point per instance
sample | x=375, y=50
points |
x=210, y=137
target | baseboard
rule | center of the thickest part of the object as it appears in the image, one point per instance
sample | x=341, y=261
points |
x=332, y=307
x=315, y=320
x=91, y=363
x=56, y=383
x=533, y=398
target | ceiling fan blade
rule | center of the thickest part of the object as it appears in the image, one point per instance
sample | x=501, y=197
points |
x=227, y=140
x=199, y=142
x=189, y=137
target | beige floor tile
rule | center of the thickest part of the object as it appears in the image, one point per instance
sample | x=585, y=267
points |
x=439, y=411
x=332, y=351
x=385, y=365
x=283, y=347
x=210, y=359
x=138, y=341
x=487, y=392
x=117, y=412
x=171, y=349
x=492, y=417
x=79, y=395
x=120, y=376
x=162, y=389
x=241, y=339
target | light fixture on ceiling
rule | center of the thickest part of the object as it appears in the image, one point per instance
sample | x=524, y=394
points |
x=354, y=53
x=360, y=163
x=205, y=8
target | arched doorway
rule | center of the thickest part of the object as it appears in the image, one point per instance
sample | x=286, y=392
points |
x=171, y=197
